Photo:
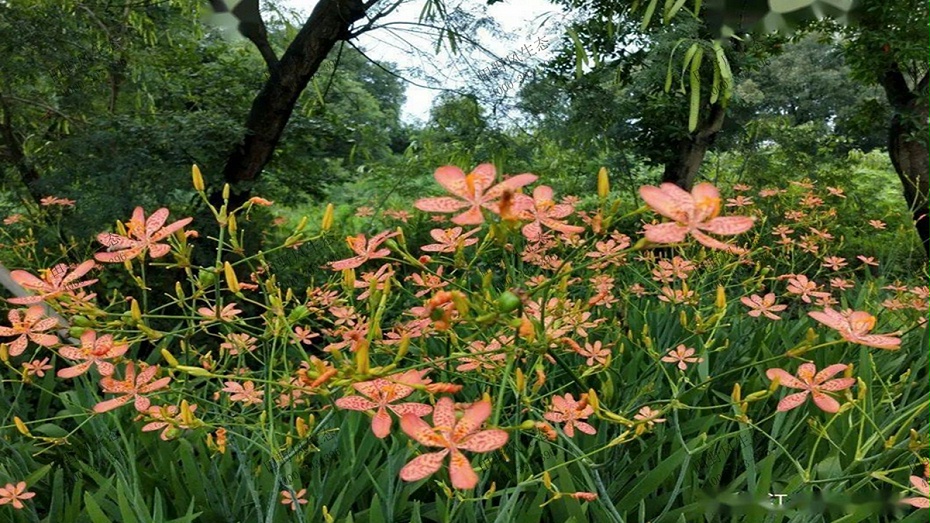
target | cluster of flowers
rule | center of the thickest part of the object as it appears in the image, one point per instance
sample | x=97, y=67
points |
x=456, y=427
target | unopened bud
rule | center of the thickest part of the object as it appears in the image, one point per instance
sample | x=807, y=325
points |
x=302, y=428
x=328, y=218
x=135, y=312
x=231, y=280
x=172, y=361
x=225, y=191
x=736, y=395
x=20, y=426
x=362, y=363
x=187, y=414
x=198, y=178
x=603, y=183
x=721, y=301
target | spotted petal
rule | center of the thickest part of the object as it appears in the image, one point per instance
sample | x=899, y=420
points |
x=728, y=225
x=670, y=232
x=826, y=403
x=423, y=465
x=484, y=441
x=473, y=418
x=791, y=401
x=355, y=403
x=461, y=473
x=420, y=431
x=669, y=200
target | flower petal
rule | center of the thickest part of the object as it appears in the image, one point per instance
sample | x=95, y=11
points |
x=826, y=403
x=484, y=441
x=473, y=418
x=423, y=465
x=792, y=400
x=461, y=473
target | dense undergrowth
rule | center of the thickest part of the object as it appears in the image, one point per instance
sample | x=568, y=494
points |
x=677, y=357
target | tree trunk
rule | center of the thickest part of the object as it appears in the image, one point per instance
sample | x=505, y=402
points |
x=13, y=151
x=272, y=108
x=907, y=144
x=683, y=169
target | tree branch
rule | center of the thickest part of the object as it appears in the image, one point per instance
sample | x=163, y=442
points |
x=252, y=27
x=896, y=88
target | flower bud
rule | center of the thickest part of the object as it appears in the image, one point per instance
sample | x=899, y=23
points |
x=187, y=415
x=721, y=301
x=520, y=380
x=302, y=428
x=172, y=361
x=736, y=395
x=194, y=371
x=328, y=218
x=232, y=226
x=603, y=183
x=362, y=363
x=21, y=427
x=135, y=312
x=198, y=178
x=225, y=191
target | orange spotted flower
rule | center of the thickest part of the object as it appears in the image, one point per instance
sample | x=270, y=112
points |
x=473, y=192
x=141, y=235
x=450, y=240
x=682, y=356
x=53, y=283
x=541, y=210
x=364, y=249
x=921, y=485
x=29, y=326
x=854, y=326
x=692, y=213
x=382, y=393
x=567, y=410
x=132, y=387
x=811, y=382
x=453, y=436
x=93, y=351
x=15, y=494
x=763, y=305
x=295, y=501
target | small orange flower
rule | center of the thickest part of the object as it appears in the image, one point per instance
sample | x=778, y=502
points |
x=763, y=306
x=93, y=351
x=53, y=283
x=383, y=393
x=854, y=326
x=15, y=494
x=132, y=387
x=473, y=192
x=286, y=498
x=141, y=236
x=584, y=496
x=453, y=435
x=364, y=249
x=692, y=213
x=567, y=410
x=682, y=356
x=29, y=326
x=812, y=382
x=37, y=367
x=921, y=485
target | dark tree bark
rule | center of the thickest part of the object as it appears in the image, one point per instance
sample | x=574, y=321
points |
x=683, y=169
x=289, y=76
x=12, y=151
x=907, y=143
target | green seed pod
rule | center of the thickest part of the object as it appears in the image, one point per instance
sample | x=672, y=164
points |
x=508, y=302
x=81, y=321
x=76, y=332
x=206, y=278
